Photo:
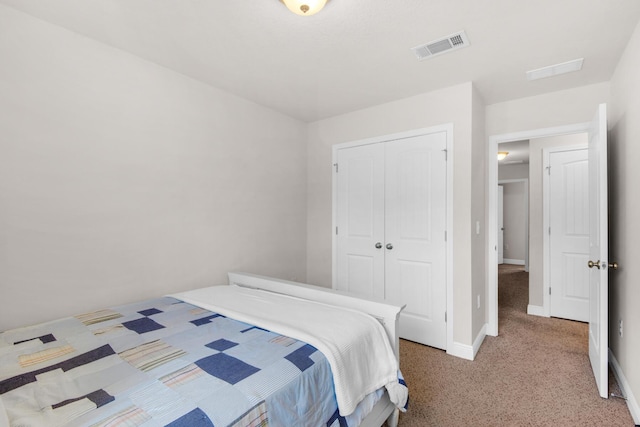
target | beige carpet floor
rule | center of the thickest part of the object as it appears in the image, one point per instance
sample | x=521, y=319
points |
x=535, y=373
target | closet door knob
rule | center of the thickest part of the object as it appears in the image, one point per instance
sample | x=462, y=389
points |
x=378, y=245
x=389, y=246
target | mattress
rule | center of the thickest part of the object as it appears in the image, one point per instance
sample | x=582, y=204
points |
x=165, y=362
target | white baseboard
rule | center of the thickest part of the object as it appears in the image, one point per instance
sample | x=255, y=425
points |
x=514, y=261
x=479, y=340
x=632, y=403
x=460, y=350
x=536, y=310
x=465, y=351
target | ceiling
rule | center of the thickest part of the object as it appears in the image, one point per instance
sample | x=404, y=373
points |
x=356, y=53
x=518, y=152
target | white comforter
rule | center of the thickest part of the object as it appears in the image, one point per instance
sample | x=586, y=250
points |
x=354, y=343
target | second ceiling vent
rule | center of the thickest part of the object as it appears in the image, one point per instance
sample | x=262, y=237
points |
x=440, y=46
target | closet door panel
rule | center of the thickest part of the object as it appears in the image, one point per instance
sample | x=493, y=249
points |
x=415, y=245
x=360, y=220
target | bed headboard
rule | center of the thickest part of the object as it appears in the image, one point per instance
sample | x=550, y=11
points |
x=387, y=314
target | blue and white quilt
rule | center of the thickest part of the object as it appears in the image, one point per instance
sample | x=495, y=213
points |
x=164, y=362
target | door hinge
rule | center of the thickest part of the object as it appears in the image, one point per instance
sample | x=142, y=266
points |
x=446, y=156
x=336, y=166
x=549, y=231
x=549, y=290
x=548, y=168
x=336, y=231
x=445, y=316
x=445, y=235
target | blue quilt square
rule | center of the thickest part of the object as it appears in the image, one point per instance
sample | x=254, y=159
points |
x=226, y=368
x=142, y=325
x=300, y=357
x=195, y=418
x=221, y=344
x=150, y=312
x=44, y=339
x=205, y=320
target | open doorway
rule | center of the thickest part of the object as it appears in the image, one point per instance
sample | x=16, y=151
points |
x=598, y=321
x=538, y=298
x=513, y=226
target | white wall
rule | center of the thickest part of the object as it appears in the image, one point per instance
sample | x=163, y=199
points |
x=121, y=180
x=624, y=208
x=450, y=105
x=559, y=108
x=478, y=215
x=513, y=171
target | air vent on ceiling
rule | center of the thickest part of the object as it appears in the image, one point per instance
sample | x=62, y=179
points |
x=554, y=70
x=440, y=46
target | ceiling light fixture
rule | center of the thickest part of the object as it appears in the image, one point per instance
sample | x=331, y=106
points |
x=304, y=7
x=502, y=154
x=554, y=70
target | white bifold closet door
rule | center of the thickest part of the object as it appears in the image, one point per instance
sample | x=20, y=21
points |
x=360, y=219
x=391, y=218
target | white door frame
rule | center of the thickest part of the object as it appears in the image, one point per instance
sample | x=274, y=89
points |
x=492, y=217
x=546, y=215
x=525, y=182
x=448, y=129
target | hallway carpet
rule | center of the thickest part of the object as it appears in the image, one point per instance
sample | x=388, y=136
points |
x=535, y=373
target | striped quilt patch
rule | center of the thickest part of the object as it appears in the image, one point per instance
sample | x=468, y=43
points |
x=98, y=316
x=151, y=355
x=283, y=340
x=255, y=417
x=130, y=417
x=108, y=329
x=182, y=376
x=27, y=360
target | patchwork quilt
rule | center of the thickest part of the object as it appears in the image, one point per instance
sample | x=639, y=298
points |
x=164, y=362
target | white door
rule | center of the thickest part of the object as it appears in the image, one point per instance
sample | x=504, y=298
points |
x=415, y=245
x=598, y=250
x=391, y=220
x=500, y=212
x=360, y=220
x=569, y=234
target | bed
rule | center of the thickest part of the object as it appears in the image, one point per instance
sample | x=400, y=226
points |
x=217, y=356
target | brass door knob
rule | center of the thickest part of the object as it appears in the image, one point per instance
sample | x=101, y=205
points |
x=592, y=264
x=613, y=265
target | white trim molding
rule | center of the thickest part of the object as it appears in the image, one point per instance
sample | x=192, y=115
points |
x=513, y=261
x=463, y=351
x=479, y=340
x=466, y=351
x=632, y=403
x=536, y=310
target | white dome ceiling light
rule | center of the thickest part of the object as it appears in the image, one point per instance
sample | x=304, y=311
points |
x=304, y=7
